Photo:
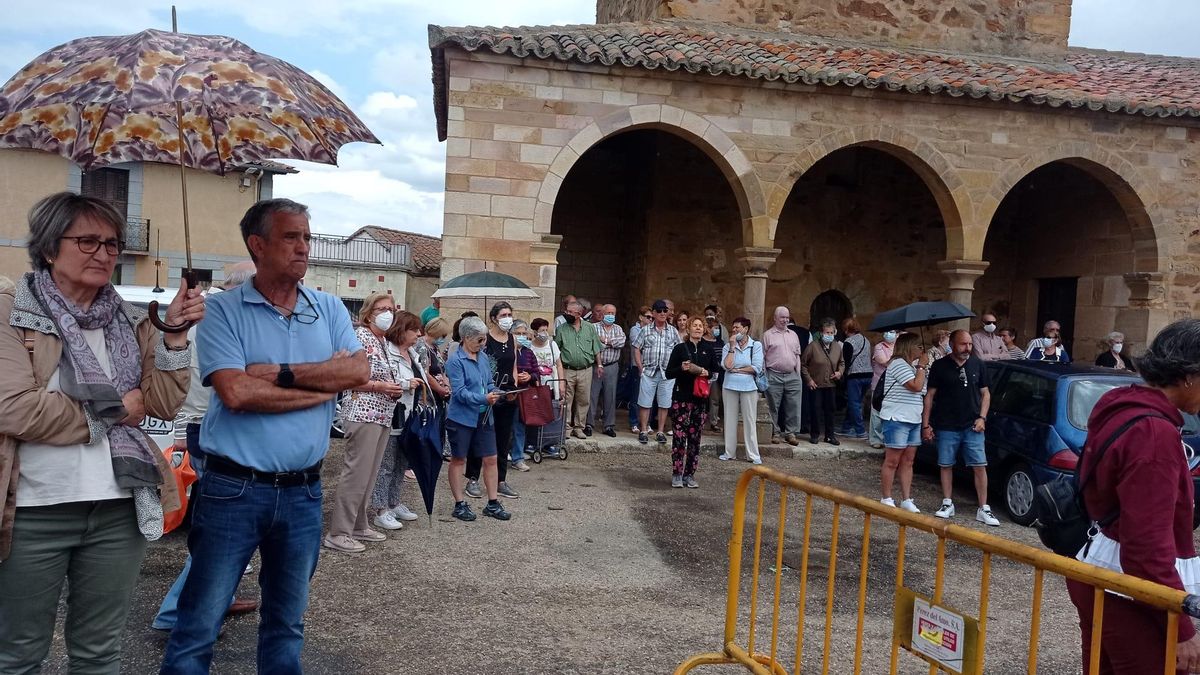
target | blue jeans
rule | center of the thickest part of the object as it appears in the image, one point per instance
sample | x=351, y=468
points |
x=951, y=443
x=517, y=453
x=232, y=518
x=856, y=389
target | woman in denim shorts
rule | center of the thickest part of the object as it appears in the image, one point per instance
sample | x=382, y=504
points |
x=903, y=398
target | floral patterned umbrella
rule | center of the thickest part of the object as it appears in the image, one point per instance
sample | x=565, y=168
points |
x=200, y=101
x=102, y=100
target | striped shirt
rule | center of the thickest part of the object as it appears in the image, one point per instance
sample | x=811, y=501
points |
x=613, y=338
x=900, y=404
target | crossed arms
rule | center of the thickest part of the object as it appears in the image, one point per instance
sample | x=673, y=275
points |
x=254, y=389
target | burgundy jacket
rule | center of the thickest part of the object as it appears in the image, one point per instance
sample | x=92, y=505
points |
x=1145, y=474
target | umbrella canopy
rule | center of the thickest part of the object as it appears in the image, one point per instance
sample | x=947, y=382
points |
x=919, y=314
x=421, y=444
x=138, y=98
x=493, y=285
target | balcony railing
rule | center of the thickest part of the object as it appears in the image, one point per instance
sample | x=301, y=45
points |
x=137, y=235
x=363, y=251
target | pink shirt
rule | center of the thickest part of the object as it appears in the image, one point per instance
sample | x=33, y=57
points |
x=988, y=346
x=781, y=350
x=880, y=357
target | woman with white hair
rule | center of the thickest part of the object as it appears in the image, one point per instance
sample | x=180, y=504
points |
x=469, y=419
x=1113, y=344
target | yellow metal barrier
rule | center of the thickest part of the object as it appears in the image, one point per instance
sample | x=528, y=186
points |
x=769, y=661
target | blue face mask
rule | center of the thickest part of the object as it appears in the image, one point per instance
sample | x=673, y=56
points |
x=890, y=336
x=609, y=319
x=827, y=339
x=524, y=342
x=440, y=341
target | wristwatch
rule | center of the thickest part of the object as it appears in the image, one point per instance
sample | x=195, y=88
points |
x=285, y=378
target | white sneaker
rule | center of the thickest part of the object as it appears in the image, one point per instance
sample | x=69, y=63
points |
x=947, y=510
x=887, y=501
x=402, y=512
x=909, y=506
x=984, y=515
x=724, y=458
x=756, y=462
x=387, y=521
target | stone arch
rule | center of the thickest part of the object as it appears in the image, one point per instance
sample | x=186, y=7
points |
x=830, y=303
x=1121, y=178
x=706, y=136
x=931, y=166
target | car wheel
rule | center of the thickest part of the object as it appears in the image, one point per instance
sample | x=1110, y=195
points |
x=1018, y=493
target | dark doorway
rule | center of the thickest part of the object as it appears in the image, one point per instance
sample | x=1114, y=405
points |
x=1056, y=301
x=832, y=304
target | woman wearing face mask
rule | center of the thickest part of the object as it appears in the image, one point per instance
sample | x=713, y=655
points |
x=903, y=400
x=822, y=366
x=1111, y=357
x=711, y=338
x=502, y=348
x=549, y=365
x=742, y=359
x=527, y=363
x=690, y=360
x=368, y=418
x=881, y=356
x=941, y=345
x=857, y=351
x=402, y=339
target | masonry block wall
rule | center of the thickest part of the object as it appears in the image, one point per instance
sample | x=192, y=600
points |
x=1015, y=27
x=518, y=127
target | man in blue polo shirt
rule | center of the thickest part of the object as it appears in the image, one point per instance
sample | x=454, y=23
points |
x=276, y=354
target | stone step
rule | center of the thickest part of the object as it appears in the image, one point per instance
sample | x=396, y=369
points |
x=712, y=445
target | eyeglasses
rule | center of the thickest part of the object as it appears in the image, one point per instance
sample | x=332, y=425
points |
x=89, y=245
x=647, y=316
x=989, y=323
x=305, y=318
x=1052, y=330
x=661, y=311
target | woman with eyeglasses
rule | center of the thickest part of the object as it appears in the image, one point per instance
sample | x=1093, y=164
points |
x=86, y=488
x=502, y=347
x=367, y=413
x=1113, y=345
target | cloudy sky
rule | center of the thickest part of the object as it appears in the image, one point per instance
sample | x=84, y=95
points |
x=374, y=54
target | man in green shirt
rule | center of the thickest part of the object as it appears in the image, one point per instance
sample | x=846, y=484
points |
x=580, y=347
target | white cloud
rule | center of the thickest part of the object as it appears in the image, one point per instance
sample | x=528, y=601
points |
x=343, y=200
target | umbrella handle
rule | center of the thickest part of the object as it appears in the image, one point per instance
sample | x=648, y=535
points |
x=165, y=327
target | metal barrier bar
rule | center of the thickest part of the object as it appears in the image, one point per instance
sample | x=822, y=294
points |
x=938, y=583
x=984, y=591
x=1169, y=600
x=1035, y=623
x=833, y=546
x=803, y=601
x=778, y=572
x=762, y=489
x=864, y=567
x=900, y=550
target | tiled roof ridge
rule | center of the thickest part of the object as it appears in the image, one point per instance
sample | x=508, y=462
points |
x=1115, y=82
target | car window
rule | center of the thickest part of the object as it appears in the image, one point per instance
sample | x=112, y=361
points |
x=1082, y=397
x=1025, y=395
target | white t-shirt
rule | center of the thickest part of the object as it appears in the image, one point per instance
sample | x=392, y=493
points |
x=60, y=474
x=548, y=355
x=900, y=404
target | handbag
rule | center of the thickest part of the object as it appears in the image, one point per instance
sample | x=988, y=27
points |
x=701, y=387
x=1062, y=520
x=537, y=405
x=760, y=380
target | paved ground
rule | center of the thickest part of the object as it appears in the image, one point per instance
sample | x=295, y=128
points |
x=606, y=569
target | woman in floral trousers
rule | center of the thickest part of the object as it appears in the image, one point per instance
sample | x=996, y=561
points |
x=692, y=360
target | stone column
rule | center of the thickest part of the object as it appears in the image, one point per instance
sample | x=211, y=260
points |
x=756, y=261
x=961, y=276
x=1147, y=312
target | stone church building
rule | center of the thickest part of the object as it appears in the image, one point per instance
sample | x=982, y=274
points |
x=840, y=157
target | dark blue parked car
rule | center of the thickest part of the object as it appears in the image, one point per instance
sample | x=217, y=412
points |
x=1038, y=423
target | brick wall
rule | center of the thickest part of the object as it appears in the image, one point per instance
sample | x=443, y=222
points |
x=1020, y=27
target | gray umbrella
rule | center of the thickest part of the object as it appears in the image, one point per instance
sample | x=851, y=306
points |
x=486, y=285
x=919, y=314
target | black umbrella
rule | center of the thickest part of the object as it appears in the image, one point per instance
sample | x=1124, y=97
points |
x=919, y=314
x=422, y=446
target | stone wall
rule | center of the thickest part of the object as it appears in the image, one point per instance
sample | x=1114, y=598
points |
x=1017, y=27
x=519, y=127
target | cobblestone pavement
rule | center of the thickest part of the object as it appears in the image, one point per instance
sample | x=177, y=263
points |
x=607, y=569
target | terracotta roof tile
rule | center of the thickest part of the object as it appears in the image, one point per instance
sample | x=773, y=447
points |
x=426, y=250
x=1115, y=82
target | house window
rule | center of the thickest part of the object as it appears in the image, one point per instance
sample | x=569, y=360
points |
x=381, y=277
x=353, y=283
x=110, y=185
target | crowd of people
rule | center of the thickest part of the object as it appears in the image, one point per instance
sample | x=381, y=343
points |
x=256, y=382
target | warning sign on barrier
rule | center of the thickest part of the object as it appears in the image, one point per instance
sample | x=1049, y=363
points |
x=935, y=633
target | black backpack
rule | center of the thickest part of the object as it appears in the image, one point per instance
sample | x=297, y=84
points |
x=878, y=395
x=1061, y=518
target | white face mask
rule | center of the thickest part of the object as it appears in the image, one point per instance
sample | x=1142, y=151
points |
x=890, y=336
x=989, y=328
x=383, y=320
x=505, y=323
x=1117, y=347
